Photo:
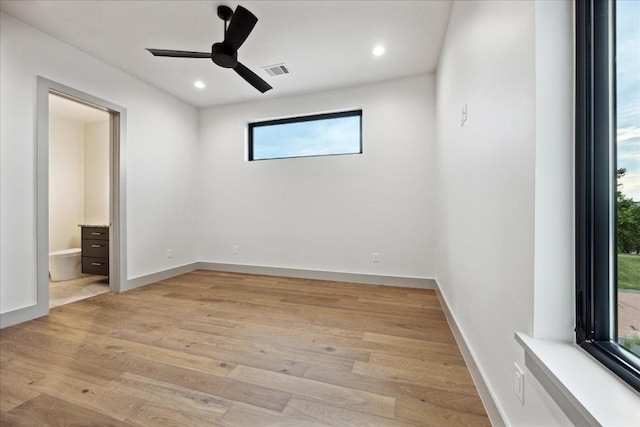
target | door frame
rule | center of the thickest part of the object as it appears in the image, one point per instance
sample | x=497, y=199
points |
x=117, y=181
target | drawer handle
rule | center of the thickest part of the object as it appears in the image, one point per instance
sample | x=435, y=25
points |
x=96, y=233
x=96, y=246
x=96, y=263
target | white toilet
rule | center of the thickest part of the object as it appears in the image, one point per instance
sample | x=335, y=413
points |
x=65, y=264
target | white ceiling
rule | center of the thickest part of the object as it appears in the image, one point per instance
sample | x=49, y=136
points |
x=63, y=107
x=325, y=44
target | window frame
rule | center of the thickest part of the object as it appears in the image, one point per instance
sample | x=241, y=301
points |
x=595, y=198
x=300, y=119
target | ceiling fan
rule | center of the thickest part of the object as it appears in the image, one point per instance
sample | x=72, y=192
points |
x=225, y=53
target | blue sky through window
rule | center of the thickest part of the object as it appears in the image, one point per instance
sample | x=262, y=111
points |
x=628, y=94
x=337, y=135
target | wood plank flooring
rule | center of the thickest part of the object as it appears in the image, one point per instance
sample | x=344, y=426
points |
x=223, y=349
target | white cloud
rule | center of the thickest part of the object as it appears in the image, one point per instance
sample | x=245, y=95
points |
x=631, y=185
x=625, y=134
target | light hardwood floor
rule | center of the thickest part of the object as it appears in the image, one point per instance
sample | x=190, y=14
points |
x=223, y=349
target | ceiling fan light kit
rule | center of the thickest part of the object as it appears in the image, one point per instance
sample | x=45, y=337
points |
x=225, y=53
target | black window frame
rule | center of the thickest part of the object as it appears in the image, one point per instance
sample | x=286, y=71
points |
x=298, y=119
x=595, y=197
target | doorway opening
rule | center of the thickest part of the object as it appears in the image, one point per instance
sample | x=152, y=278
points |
x=79, y=198
x=80, y=202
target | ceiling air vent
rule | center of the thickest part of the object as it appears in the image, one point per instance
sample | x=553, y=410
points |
x=276, y=70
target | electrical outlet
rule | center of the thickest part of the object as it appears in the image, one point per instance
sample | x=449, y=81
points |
x=375, y=257
x=235, y=249
x=169, y=253
x=518, y=383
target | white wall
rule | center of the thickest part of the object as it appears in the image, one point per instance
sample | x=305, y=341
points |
x=554, y=290
x=161, y=151
x=66, y=182
x=96, y=173
x=78, y=178
x=487, y=176
x=325, y=213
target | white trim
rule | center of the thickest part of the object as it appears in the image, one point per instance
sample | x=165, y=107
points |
x=23, y=314
x=117, y=255
x=118, y=205
x=488, y=397
x=117, y=172
x=149, y=279
x=584, y=389
x=42, y=198
x=407, y=282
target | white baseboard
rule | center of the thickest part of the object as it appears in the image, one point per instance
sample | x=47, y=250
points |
x=31, y=312
x=148, y=279
x=486, y=395
x=20, y=315
x=407, y=282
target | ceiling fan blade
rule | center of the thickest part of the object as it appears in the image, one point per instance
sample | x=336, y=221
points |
x=179, y=53
x=252, y=78
x=242, y=22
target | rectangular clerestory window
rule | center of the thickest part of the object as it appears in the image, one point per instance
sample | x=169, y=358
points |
x=306, y=136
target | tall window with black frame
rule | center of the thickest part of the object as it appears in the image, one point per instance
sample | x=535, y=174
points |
x=608, y=183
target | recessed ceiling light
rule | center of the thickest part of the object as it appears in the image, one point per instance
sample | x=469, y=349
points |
x=199, y=84
x=378, y=50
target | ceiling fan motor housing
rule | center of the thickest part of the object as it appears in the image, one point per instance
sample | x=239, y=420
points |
x=223, y=55
x=225, y=12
